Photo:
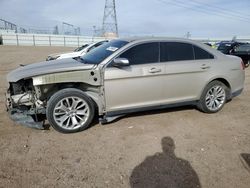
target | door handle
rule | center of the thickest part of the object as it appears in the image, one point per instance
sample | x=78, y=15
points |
x=204, y=66
x=154, y=70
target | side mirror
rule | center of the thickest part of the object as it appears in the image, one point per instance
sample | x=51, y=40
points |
x=119, y=62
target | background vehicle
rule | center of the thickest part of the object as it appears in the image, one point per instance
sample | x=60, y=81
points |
x=120, y=77
x=215, y=45
x=80, y=51
x=227, y=46
x=207, y=43
x=242, y=51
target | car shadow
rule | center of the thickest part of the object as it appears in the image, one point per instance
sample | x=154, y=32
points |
x=245, y=159
x=95, y=121
x=164, y=169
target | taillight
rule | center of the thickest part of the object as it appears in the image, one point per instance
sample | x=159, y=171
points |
x=242, y=65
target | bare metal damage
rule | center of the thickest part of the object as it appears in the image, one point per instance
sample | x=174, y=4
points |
x=24, y=106
x=22, y=114
x=91, y=77
x=91, y=80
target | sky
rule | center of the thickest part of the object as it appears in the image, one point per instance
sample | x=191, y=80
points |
x=202, y=18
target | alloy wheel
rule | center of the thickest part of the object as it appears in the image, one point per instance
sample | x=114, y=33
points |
x=71, y=113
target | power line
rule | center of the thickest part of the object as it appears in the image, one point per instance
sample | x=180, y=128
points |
x=202, y=10
x=219, y=10
x=223, y=9
x=218, y=13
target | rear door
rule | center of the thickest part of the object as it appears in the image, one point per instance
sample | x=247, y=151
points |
x=187, y=70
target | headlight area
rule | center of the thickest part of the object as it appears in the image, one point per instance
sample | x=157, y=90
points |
x=23, y=104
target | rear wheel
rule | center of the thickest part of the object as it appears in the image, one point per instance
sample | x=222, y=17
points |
x=70, y=110
x=213, y=97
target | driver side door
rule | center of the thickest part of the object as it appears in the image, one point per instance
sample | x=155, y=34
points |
x=138, y=85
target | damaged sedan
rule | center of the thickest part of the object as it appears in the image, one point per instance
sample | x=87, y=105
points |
x=121, y=77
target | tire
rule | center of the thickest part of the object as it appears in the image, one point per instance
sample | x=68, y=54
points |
x=213, y=97
x=1, y=40
x=70, y=110
x=247, y=64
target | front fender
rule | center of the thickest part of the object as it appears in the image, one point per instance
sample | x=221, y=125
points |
x=91, y=77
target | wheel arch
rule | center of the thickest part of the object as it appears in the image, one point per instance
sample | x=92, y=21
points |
x=224, y=81
x=81, y=120
x=93, y=92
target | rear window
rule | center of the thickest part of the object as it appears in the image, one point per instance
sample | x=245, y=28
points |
x=202, y=54
x=176, y=51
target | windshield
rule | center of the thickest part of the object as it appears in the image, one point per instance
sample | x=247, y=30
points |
x=81, y=48
x=97, y=55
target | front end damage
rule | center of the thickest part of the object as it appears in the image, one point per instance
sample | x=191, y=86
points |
x=23, y=104
x=31, y=86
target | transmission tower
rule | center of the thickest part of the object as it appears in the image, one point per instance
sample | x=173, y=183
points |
x=8, y=25
x=109, y=24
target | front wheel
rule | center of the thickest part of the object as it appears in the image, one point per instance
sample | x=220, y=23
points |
x=213, y=97
x=70, y=110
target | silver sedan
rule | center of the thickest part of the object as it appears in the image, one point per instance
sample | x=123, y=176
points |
x=121, y=77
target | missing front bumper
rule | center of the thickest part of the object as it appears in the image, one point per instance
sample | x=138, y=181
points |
x=22, y=118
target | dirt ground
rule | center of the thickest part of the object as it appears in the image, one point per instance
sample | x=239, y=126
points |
x=179, y=147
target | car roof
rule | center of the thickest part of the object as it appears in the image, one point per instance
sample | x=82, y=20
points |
x=133, y=39
x=172, y=39
x=231, y=42
x=245, y=44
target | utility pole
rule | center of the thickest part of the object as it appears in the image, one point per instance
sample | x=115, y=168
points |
x=188, y=35
x=109, y=24
x=56, y=30
x=69, y=28
x=23, y=30
x=97, y=32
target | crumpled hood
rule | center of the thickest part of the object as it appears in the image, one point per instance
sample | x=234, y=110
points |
x=47, y=67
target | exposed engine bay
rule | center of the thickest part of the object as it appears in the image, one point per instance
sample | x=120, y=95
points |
x=24, y=104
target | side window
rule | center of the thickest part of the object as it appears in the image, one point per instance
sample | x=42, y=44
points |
x=242, y=48
x=202, y=54
x=176, y=51
x=164, y=51
x=142, y=53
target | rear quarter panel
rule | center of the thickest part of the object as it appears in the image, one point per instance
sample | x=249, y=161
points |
x=230, y=69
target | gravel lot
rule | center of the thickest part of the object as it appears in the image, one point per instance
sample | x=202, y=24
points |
x=178, y=147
